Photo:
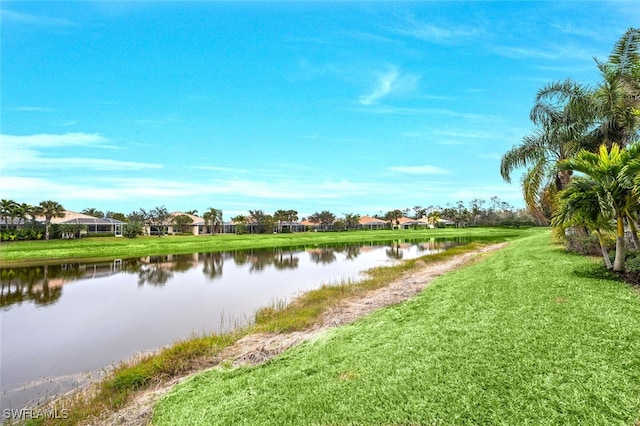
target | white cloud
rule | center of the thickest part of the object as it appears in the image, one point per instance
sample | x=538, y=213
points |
x=419, y=170
x=29, y=153
x=49, y=140
x=383, y=88
x=393, y=110
x=427, y=31
x=24, y=18
x=549, y=52
x=32, y=109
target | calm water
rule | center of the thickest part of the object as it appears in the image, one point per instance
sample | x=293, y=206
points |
x=62, y=324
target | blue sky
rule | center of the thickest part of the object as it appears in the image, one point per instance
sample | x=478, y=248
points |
x=349, y=107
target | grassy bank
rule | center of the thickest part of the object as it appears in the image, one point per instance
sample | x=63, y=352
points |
x=25, y=252
x=198, y=352
x=531, y=335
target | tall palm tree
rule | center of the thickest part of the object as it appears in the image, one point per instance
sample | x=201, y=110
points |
x=213, y=219
x=562, y=117
x=49, y=209
x=616, y=100
x=571, y=117
x=607, y=169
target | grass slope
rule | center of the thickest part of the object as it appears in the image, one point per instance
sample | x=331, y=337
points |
x=22, y=252
x=530, y=335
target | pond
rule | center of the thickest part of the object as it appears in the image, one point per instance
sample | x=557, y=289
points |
x=62, y=325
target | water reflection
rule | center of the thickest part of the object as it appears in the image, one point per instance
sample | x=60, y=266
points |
x=43, y=285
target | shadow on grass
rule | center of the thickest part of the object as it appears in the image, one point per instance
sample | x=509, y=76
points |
x=596, y=271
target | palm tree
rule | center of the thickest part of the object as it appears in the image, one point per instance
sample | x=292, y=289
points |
x=562, y=117
x=433, y=217
x=580, y=205
x=291, y=217
x=280, y=216
x=571, y=117
x=617, y=99
x=240, y=223
x=92, y=211
x=607, y=169
x=8, y=210
x=212, y=219
x=22, y=211
x=49, y=209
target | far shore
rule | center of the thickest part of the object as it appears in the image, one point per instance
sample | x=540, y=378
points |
x=30, y=253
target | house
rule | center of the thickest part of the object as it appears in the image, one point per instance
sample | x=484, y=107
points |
x=196, y=227
x=95, y=225
x=368, y=222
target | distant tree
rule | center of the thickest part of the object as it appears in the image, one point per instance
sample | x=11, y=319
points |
x=351, y=220
x=213, y=219
x=264, y=222
x=475, y=209
x=419, y=212
x=159, y=218
x=116, y=216
x=291, y=217
x=181, y=221
x=240, y=222
x=137, y=216
x=393, y=217
x=339, y=225
x=325, y=218
x=434, y=217
x=49, y=209
x=7, y=209
x=280, y=216
x=192, y=212
x=24, y=211
x=92, y=211
x=132, y=229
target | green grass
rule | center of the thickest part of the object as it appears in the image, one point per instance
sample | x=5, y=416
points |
x=27, y=252
x=305, y=311
x=530, y=335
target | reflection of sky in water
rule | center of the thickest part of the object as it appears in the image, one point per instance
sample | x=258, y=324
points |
x=111, y=315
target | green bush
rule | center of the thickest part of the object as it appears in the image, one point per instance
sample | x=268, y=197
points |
x=132, y=229
x=587, y=245
x=632, y=263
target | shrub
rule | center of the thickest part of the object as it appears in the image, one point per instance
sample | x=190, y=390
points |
x=132, y=229
x=587, y=245
x=632, y=263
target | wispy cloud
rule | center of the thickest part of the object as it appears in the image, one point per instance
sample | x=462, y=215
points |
x=393, y=110
x=49, y=140
x=550, y=51
x=383, y=87
x=430, y=32
x=419, y=170
x=25, y=18
x=26, y=108
x=33, y=153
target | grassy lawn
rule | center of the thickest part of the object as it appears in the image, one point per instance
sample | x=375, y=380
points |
x=530, y=335
x=25, y=252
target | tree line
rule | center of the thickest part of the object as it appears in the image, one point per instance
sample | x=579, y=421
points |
x=582, y=161
x=20, y=223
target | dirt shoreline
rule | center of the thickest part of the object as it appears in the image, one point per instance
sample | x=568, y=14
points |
x=260, y=347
